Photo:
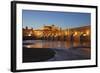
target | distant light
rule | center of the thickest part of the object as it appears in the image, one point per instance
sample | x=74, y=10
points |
x=84, y=34
x=75, y=33
x=29, y=34
x=87, y=32
x=28, y=46
x=66, y=33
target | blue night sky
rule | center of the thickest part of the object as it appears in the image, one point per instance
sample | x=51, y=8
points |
x=37, y=19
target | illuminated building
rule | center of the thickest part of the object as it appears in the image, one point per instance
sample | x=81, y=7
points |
x=53, y=32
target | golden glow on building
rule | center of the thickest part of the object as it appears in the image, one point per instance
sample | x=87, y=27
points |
x=55, y=32
x=87, y=32
x=38, y=33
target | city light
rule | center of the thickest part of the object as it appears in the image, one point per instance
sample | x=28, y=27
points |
x=55, y=33
x=29, y=34
x=87, y=32
x=75, y=33
x=84, y=34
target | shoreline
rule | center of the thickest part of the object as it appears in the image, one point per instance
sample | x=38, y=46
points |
x=47, y=54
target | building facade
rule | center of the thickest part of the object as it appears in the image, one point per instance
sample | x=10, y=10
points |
x=55, y=33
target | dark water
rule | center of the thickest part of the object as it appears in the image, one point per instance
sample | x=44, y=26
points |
x=64, y=50
x=52, y=44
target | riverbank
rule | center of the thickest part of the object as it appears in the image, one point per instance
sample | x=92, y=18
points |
x=47, y=54
x=77, y=53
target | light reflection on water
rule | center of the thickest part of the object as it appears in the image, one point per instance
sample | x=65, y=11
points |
x=52, y=44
